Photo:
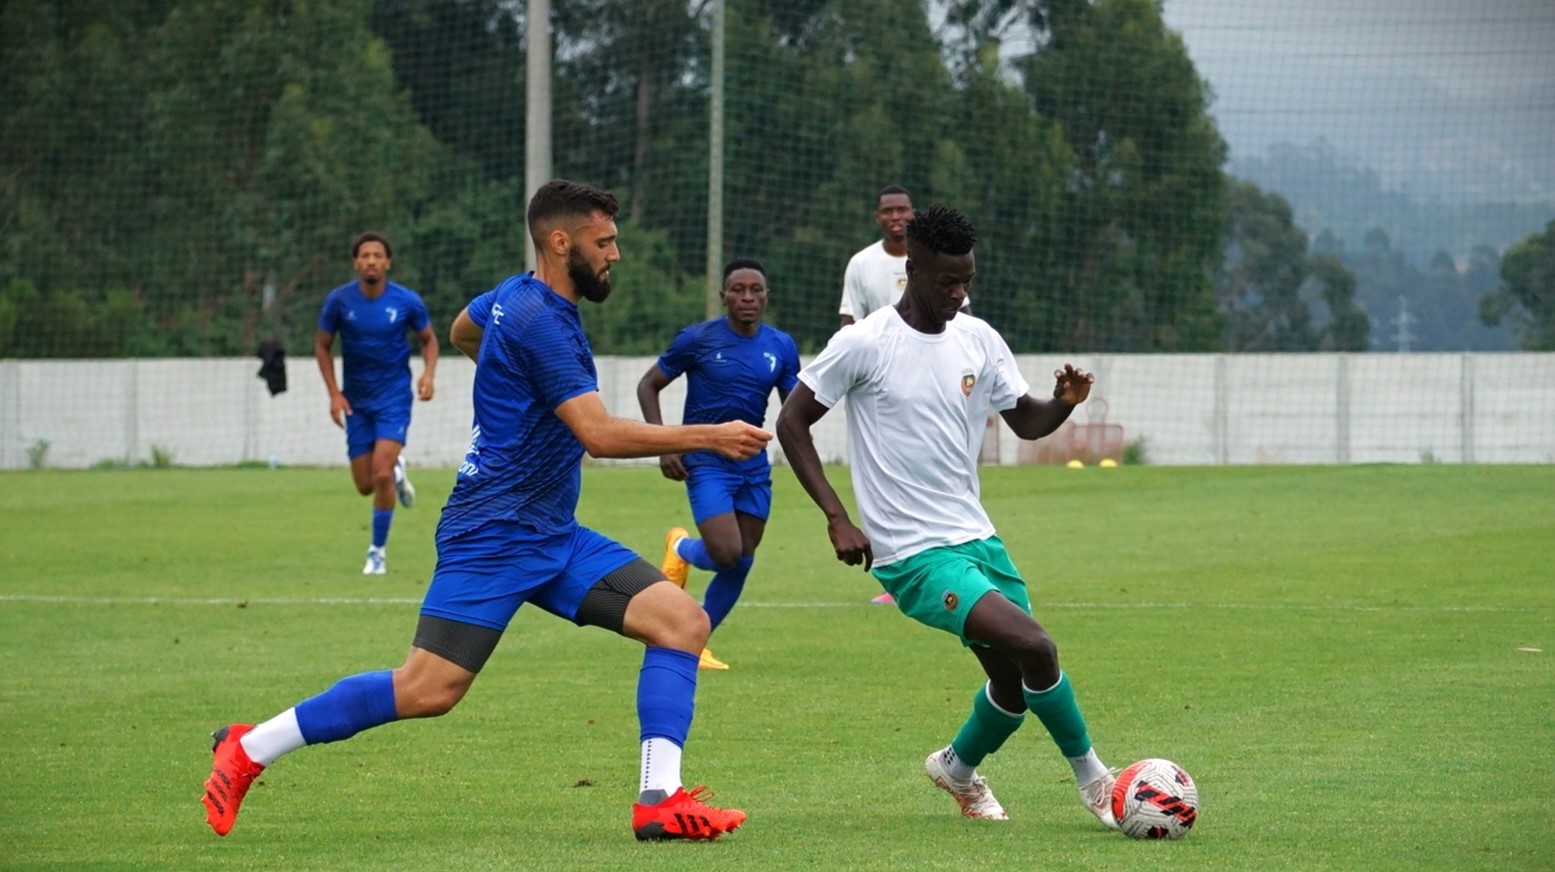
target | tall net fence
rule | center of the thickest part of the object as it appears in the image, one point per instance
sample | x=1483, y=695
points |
x=182, y=179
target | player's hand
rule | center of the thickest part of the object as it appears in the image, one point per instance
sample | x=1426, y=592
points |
x=850, y=543
x=339, y=407
x=424, y=389
x=673, y=468
x=1072, y=385
x=738, y=440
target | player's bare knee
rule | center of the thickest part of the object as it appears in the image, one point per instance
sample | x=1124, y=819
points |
x=679, y=623
x=1035, y=651
x=724, y=553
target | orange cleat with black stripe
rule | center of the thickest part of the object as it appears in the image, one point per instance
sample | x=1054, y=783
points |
x=232, y=772
x=684, y=816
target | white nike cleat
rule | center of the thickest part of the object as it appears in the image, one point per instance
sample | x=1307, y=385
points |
x=973, y=795
x=402, y=486
x=375, y=562
x=1097, y=796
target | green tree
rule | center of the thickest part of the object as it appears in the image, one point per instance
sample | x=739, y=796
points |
x=1143, y=202
x=1527, y=294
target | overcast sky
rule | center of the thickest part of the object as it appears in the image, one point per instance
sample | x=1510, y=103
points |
x=1436, y=95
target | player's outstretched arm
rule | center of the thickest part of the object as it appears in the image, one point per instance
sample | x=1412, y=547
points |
x=465, y=334
x=605, y=435
x=1033, y=418
x=800, y=412
x=653, y=382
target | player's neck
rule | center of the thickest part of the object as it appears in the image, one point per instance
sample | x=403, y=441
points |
x=371, y=290
x=894, y=247
x=739, y=329
x=921, y=321
x=555, y=277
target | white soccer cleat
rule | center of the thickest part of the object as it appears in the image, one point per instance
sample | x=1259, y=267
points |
x=1097, y=796
x=402, y=486
x=375, y=562
x=973, y=795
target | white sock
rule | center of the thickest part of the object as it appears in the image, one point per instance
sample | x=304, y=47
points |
x=1087, y=768
x=266, y=742
x=955, y=767
x=661, y=765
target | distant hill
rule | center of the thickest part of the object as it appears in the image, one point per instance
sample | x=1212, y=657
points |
x=1329, y=191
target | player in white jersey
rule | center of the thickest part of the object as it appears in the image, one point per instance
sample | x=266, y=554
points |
x=920, y=379
x=876, y=275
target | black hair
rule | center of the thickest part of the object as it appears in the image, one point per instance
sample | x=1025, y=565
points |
x=890, y=189
x=743, y=263
x=560, y=198
x=942, y=229
x=371, y=236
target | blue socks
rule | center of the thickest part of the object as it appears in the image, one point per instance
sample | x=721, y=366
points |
x=381, y=519
x=666, y=694
x=353, y=704
x=724, y=590
x=695, y=553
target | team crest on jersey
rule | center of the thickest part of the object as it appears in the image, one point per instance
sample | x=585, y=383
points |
x=967, y=381
x=393, y=313
x=771, y=361
x=951, y=601
x=901, y=284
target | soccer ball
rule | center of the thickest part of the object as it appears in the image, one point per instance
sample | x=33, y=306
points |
x=1155, y=799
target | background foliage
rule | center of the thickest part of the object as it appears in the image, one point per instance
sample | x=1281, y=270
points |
x=182, y=177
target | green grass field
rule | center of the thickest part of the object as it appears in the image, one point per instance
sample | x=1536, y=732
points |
x=1356, y=664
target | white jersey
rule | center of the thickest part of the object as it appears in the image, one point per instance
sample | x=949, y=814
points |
x=917, y=407
x=874, y=280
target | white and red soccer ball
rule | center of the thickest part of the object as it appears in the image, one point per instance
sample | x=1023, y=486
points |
x=1155, y=799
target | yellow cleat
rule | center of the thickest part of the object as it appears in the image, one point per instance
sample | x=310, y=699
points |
x=675, y=567
x=708, y=661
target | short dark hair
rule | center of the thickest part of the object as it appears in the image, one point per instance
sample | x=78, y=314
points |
x=560, y=198
x=890, y=189
x=371, y=236
x=942, y=229
x=743, y=263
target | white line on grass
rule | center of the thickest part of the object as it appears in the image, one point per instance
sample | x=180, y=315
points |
x=406, y=601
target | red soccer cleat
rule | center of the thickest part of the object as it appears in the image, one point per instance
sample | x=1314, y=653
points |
x=684, y=816
x=231, y=774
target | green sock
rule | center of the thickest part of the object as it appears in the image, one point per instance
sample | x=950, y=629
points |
x=985, y=730
x=1058, y=711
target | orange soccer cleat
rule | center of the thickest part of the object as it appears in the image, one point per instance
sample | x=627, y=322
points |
x=231, y=774
x=675, y=567
x=684, y=816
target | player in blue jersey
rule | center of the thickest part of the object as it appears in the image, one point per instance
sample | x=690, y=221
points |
x=731, y=364
x=373, y=316
x=509, y=535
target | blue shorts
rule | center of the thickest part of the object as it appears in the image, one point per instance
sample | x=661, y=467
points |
x=718, y=490
x=483, y=576
x=364, y=427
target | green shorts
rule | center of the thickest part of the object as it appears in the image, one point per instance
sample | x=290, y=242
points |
x=939, y=586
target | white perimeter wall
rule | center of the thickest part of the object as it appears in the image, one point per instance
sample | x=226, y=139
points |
x=1187, y=409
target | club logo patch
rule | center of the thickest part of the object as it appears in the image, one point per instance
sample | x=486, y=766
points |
x=951, y=601
x=967, y=381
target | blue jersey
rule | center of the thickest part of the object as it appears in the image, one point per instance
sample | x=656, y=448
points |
x=376, y=352
x=523, y=463
x=729, y=377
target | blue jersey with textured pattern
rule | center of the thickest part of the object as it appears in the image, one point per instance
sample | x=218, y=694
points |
x=523, y=463
x=729, y=377
x=376, y=350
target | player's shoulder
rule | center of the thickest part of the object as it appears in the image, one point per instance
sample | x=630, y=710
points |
x=339, y=293
x=867, y=253
x=774, y=335
x=403, y=291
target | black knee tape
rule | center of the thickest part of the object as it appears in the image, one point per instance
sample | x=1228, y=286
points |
x=604, y=605
x=464, y=645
